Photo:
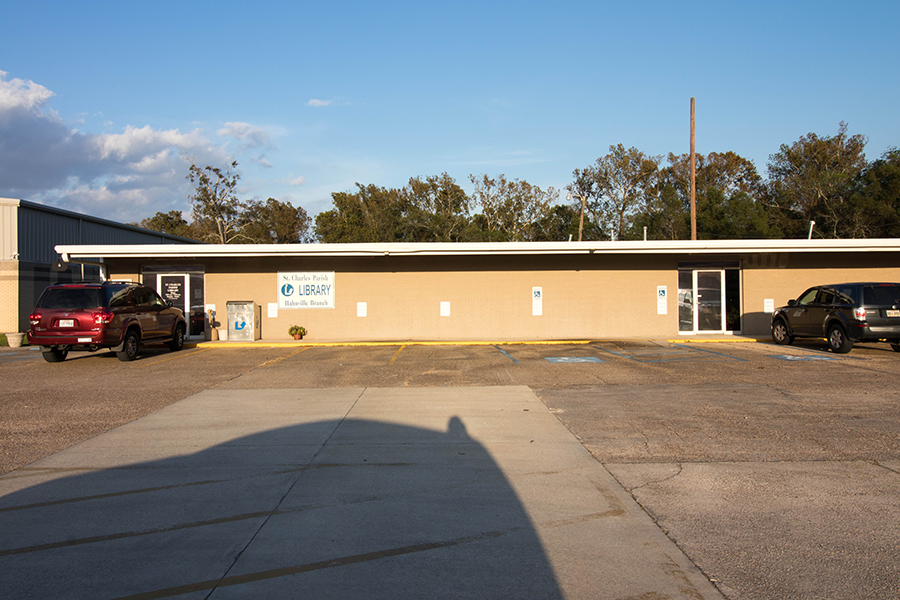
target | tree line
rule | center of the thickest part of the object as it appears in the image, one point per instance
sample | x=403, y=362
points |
x=624, y=195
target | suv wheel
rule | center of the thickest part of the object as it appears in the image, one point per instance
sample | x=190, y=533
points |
x=54, y=355
x=837, y=340
x=129, y=347
x=780, y=333
x=177, y=342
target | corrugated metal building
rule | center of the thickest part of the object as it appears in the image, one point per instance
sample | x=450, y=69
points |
x=28, y=234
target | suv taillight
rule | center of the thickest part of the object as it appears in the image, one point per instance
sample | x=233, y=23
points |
x=102, y=317
x=35, y=318
x=859, y=313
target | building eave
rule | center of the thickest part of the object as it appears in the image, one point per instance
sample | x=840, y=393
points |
x=180, y=251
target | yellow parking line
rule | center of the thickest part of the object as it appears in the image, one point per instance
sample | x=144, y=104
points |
x=264, y=344
x=273, y=361
x=396, y=354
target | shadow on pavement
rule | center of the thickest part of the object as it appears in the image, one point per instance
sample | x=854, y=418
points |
x=335, y=508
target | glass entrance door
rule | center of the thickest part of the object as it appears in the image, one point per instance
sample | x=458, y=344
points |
x=181, y=289
x=701, y=301
x=709, y=301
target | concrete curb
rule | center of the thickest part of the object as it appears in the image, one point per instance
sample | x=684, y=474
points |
x=298, y=344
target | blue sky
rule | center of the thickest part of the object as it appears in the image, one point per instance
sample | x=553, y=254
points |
x=99, y=100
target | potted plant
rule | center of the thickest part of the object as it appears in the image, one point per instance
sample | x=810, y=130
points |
x=297, y=331
x=15, y=339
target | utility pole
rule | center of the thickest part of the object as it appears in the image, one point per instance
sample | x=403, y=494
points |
x=693, y=179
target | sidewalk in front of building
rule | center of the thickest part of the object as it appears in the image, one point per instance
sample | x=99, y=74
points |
x=335, y=493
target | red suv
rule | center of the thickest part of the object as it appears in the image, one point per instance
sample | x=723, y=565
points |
x=114, y=314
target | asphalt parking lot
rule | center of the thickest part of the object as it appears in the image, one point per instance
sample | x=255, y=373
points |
x=776, y=470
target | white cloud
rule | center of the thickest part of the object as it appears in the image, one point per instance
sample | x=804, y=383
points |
x=21, y=94
x=251, y=135
x=315, y=102
x=297, y=181
x=125, y=176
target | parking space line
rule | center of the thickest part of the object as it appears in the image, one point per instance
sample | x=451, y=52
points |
x=506, y=354
x=275, y=360
x=396, y=354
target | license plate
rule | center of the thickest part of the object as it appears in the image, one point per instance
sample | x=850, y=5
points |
x=893, y=313
x=67, y=322
x=84, y=340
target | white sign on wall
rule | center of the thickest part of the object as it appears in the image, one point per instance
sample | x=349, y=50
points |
x=537, y=301
x=661, y=303
x=306, y=290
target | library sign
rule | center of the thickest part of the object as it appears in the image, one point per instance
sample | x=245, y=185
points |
x=306, y=290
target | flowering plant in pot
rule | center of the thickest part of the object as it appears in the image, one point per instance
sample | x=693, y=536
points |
x=297, y=331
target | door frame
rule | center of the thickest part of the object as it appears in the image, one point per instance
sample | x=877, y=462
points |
x=695, y=276
x=186, y=278
x=730, y=297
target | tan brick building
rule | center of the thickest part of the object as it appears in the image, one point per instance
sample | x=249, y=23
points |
x=498, y=291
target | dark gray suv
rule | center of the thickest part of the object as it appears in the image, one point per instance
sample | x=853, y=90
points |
x=842, y=313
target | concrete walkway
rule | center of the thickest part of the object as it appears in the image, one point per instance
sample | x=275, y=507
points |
x=334, y=493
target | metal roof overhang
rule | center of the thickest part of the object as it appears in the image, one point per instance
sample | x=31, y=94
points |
x=73, y=253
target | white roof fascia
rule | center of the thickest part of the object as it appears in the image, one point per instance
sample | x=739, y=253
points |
x=72, y=253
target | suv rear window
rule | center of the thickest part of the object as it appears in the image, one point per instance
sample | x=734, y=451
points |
x=881, y=295
x=86, y=297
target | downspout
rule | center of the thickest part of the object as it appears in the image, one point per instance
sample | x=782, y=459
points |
x=99, y=263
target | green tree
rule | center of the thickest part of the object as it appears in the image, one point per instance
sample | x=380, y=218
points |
x=171, y=222
x=874, y=208
x=615, y=186
x=559, y=224
x=724, y=184
x=734, y=217
x=274, y=222
x=727, y=172
x=371, y=214
x=510, y=209
x=436, y=209
x=813, y=179
x=664, y=212
x=217, y=211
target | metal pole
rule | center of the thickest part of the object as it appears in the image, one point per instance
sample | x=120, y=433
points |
x=693, y=179
x=581, y=220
